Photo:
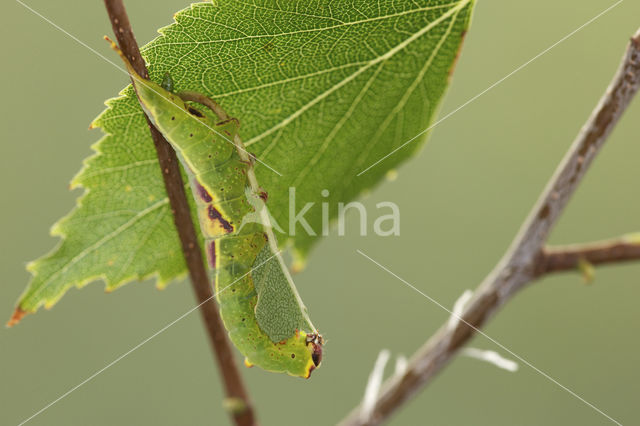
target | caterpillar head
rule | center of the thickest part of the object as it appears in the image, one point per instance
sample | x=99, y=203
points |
x=314, y=344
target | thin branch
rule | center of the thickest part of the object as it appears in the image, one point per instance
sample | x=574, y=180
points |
x=566, y=258
x=525, y=259
x=238, y=402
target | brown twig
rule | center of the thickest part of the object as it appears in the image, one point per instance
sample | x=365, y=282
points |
x=525, y=260
x=567, y=258
x=238, y=402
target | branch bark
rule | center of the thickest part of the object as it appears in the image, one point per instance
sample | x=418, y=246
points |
x=566, y=258
x=238, y=402
x=526, y=259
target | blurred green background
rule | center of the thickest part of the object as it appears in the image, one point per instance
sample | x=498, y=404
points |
x=462, y=200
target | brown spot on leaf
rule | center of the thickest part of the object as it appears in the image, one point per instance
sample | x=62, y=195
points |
x=455, y=60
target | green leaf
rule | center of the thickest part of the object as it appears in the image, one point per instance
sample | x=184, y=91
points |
x=322, y=90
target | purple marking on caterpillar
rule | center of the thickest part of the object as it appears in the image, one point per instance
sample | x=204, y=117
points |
x=211, y=254
x=202, y=192
x=215, y=215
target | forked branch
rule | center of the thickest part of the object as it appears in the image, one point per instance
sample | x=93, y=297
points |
x=526, y=259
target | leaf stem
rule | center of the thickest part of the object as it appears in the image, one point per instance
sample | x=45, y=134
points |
x=237, y=396
x=526, y=259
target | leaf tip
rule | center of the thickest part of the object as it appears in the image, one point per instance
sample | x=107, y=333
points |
x=18, y=314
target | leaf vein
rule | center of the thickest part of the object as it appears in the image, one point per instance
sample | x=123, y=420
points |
x=311, y=30
x=99, y=244
x=390, y=53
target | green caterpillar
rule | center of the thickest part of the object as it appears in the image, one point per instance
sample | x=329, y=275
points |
x=259, y=304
